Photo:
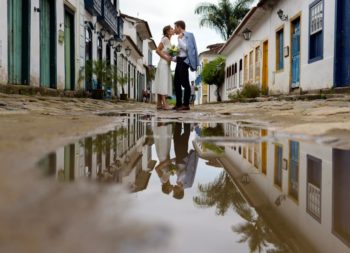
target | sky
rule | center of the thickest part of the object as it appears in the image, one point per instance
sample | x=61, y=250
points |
x=159, y=13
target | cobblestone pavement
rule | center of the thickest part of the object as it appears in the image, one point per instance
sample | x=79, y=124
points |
x=39, y=124
x=31, y=126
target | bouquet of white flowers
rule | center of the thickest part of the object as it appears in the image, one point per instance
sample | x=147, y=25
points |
x=173, y=51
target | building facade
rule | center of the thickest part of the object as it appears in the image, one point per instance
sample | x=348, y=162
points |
x=206, y=93
x=298, y=189
x=120, y=156
x=290, y=46
x=135, y=66
x=48, y=43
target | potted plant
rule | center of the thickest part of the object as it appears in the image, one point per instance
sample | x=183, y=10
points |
x=99, y=71
x=117, y=77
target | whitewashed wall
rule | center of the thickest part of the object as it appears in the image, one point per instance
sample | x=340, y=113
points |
x=313, y=76
x=3, y=43
x=293, y=213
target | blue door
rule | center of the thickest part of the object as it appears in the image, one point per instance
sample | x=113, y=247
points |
x=342, y=45
x=296, y=54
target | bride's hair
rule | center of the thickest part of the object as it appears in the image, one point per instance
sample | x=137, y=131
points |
x=166, y=29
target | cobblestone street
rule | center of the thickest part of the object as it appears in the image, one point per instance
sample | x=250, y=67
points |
x=42, y=123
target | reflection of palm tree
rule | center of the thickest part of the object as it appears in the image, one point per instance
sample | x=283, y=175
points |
x=253, y=232
x=259, y=236
x=223, y=194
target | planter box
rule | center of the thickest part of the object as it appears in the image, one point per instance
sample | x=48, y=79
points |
x=97, y=94
x=123, y=96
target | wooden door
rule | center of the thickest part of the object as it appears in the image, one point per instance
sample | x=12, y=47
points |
x=295, y=53
x=47, y=44
x=69, y=50
x=263, y=133
x=18, y=41
x=342, y=47
x=265, y=68
x=69, y=163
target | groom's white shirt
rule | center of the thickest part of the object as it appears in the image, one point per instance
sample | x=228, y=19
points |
x=182, y=46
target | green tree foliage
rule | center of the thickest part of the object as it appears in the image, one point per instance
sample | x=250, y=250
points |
x=214, y=73
x=223, y=17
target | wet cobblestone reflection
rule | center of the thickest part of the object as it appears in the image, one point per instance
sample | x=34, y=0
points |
x=259, y=190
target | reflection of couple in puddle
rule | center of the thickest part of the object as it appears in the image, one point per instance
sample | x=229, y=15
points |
x=184, y=164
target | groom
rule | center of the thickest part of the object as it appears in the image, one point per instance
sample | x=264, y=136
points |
x=187, y=58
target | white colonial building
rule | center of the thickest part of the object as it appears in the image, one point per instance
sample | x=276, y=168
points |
x=138, y=38
x=48, y=43
x=290, y=46
x=299, y=188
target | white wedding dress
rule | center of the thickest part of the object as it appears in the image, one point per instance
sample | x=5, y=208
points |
x=163, y=80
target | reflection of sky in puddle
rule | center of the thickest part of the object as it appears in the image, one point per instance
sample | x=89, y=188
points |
x=287, y=180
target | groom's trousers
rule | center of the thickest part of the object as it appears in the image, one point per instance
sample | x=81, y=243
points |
x=181, y=79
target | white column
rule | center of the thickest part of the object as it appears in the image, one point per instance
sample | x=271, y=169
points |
x=35, y=44
x=60, y=46
x=4, y=44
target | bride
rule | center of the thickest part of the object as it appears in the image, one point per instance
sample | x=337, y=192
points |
x=163, y=79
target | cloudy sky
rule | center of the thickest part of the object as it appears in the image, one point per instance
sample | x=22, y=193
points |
x=166, y=12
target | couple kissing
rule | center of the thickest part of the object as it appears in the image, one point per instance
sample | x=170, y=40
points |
x=185, y=54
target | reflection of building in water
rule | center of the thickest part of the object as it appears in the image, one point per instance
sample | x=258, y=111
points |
x=299, y=188
x=122, y=155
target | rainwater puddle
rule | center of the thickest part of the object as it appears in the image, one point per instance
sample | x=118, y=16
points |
x=217, y=187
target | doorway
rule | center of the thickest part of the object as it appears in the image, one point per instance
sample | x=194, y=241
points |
x=265, y=67
x=88, y=58
x=341, y=204
x=295, y=37
x=19, y=41
x=342, y=45
x=69, y=49
x=47, y=44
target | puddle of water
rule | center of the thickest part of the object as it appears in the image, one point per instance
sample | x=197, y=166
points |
x=212, y=187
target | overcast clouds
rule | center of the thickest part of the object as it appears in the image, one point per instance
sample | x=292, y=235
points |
x=160, y=13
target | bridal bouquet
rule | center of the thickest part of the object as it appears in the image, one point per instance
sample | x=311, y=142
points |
x=173, y=51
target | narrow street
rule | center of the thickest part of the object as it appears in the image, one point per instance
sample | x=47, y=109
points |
x=47, y=142
x=133, y=126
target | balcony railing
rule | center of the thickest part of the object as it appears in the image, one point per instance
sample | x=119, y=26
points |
x=94, y=7
x=109, y=17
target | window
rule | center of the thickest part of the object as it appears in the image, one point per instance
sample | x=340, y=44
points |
x=256, y=155
x=316, y=31
x=108, y=54
x=257, y=64
x=294, y=169
x=150, y=60
x=278, y=165
x=250, y=154
x=245, y=68
x=279, y=50
x=314, y=173
x=240, y=72
x=251, y=64
x=99, y=48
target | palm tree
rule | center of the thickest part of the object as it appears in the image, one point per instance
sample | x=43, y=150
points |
x=223, y=17
x=223, y=194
